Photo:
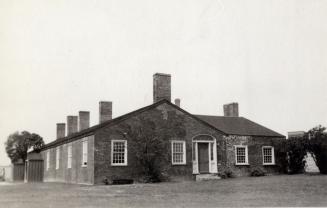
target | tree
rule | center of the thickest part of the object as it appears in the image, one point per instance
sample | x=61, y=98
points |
x=296, y=152
x=18, y=144
x=317, y=146
x=150, y=137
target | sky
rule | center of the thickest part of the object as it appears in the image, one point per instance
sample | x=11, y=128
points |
x=58, y=57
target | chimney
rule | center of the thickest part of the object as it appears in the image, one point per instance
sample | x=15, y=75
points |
x=83, y=120
x=61, y=130
x=105, y=111
x=71, y=124
x=231, y=110
x=161, y=87
x=178, y=102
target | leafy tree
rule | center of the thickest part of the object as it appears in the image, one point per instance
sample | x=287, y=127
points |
x=317, y=146
x=150, y=137
x=18, y=144
x=296, y=152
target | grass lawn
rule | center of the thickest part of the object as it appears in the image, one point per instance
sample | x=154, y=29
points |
x=284, y=190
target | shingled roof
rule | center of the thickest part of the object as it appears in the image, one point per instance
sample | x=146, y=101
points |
x=238, y=126
x=226, y=125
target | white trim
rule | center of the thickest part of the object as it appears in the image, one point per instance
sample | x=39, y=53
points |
x=48, y=160
x=57, y=158
x=84, y=152
x=69, y=155
x=212, y=163
x=203, y=135
x=112, y=153
x=214, y=168
x=246, y=154
x=272, y=155
x=184, y=152
x=195, y=161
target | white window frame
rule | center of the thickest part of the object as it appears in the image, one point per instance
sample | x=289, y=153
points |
x=246, y=154
x=125, y=153
x=172, y=152
x=84, y=152
x=272, y=155
x=57, y=158
x=69, y=155
x=48, y=160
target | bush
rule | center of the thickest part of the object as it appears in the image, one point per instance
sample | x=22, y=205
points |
x=296, y=152
x=318, y=147
x=257, y=171
x=227, y=173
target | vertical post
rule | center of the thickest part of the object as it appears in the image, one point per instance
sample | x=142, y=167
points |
x=214, y=149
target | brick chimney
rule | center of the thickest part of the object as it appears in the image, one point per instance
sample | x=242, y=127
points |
x=231, y=110
x=105, y=111
x=161, y=87
x=178, y=102
x=71, y=124
x=61, y=130
x=83, y=120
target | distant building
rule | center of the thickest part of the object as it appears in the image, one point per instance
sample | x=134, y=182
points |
x=310, y=166
x=211, y=143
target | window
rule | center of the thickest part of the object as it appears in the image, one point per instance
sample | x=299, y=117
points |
x=48, y=160
x=178, y=153
x=268, y=155
x=118, y=152
x=241, y=155
x=84, y=153
x=57, y=157
x=69, y=156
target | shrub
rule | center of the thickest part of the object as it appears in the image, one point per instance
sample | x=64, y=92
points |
x=227, y=173
x=106, y=181
x=257, y=171
x=317, y=146
x=296, y=152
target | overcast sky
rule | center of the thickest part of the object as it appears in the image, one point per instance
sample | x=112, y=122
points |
x=58, y=57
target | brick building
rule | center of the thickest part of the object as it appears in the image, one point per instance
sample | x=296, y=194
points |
x=208, y=145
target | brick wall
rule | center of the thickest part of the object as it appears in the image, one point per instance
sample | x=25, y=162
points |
x=75, y=174
x=103, y=137
x=255, y=157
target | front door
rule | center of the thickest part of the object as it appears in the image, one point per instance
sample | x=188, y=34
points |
x=203, y=154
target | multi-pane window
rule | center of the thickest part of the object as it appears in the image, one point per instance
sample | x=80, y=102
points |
x=84, y=153
x=118, y=152
x=241, y=155
x=178, y=154
x=268, y=155
x=48, y=160
x=57, y=157
x=69, y=156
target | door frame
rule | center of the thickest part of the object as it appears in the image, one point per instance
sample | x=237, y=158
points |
x=211, y=141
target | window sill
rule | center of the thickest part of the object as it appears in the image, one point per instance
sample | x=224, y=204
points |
x=84, y=166
x=118, y=164
x=268, y=164
x=178, y=164
x=242, y=164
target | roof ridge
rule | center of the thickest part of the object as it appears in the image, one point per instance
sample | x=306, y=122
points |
x=101, y=125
